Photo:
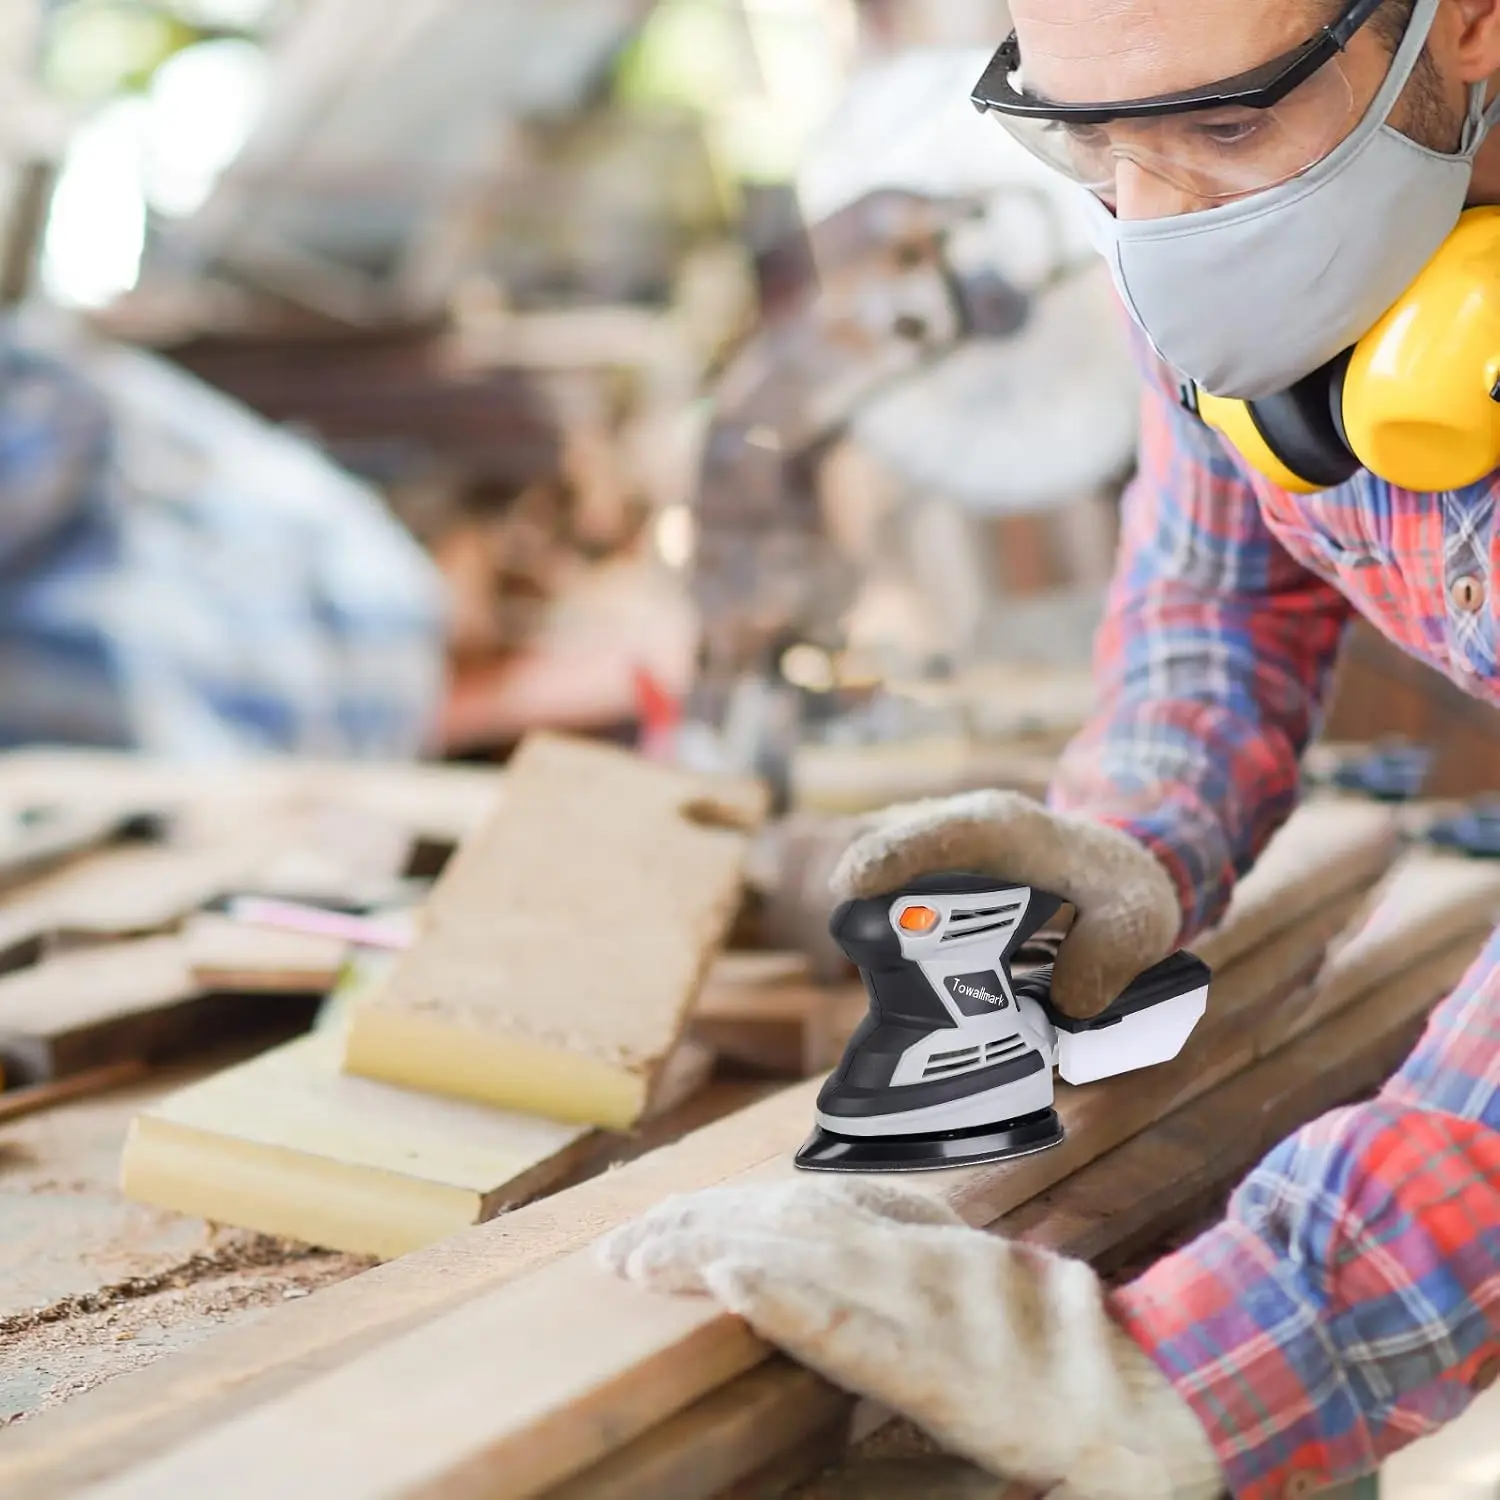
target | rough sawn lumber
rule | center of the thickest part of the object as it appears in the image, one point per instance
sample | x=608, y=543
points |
x=143, y=1414
x=779, y=1419
x=605, y=1362
x=560, y=952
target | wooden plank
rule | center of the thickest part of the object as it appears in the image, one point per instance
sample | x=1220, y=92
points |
x=619, y=1361
x=780, y=1417
x=765, y=1012
x=97, y=1006
x=124, y=891
x=17, y=1103
x=143, y=1414
x=39, y=839
x=289, y=1145
x=1327, y=847
x=563, y=946
x=225, y=954
x=136, y=999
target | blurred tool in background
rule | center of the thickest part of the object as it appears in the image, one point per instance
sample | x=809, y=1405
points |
x=950, y=330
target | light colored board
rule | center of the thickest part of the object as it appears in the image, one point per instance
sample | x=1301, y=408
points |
x=618, y=1361
x=1327, y=846
x=123, y=891
x=142, y=1415
x=289, y=1145
x=563, y=946
x=841, y=779
x=1430, y=899
x=441, y=802
x=1113, y=1210
x=226, y=954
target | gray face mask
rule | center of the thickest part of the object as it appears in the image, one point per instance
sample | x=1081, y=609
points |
x=1247, y=298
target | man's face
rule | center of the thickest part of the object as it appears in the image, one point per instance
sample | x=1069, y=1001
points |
x=1103, y=50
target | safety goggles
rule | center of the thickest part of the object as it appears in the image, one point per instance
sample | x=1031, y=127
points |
x=1224, y=140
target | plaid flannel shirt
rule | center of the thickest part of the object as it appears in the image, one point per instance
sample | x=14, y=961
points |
x=1349, y=1302
x=180, y=577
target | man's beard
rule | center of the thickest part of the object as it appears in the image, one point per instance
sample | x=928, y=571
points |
x=1428, y=115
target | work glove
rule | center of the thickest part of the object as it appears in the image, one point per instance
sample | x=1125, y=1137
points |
x=1127, y=910
x=1003, y=1353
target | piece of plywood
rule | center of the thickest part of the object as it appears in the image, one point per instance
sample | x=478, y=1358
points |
x=765, y=1012
x=289, y=1145
x=144, y=1414
x=1431, y=899
x=124, y=891
x=226, y=954
x=95, y=1006
x=1327, y=847
x=563, y=946
x=618, y=1361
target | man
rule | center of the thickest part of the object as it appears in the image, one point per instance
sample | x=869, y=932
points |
x=1350, y=1300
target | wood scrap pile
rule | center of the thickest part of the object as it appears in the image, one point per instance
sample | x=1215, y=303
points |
x=503, y=1361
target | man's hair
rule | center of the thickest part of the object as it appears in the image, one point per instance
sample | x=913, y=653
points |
x=1389, y=23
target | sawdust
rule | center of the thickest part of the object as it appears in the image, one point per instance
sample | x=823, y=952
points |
x=60, y=1351
x=259, y=1250
x=93, y=1285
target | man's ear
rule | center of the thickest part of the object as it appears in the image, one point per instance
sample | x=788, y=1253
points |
x=1476, y=46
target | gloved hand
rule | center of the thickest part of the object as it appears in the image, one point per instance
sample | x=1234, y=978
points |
x=1003, y=1353
x=1128, y=912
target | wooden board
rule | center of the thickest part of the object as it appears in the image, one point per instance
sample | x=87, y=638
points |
x=144, y=1414
x=618, y=1361
x=129, y=890
x=289, y=1145
x=1327, y=847
x=563, y=946
x=439, y=802
x=226, y=954
x=97, y=1006
x=782, y=1417
x=765, y=1012
x=16, y=1104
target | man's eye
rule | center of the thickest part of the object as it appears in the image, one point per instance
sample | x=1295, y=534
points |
x=1082, y=137
x=1225, y=132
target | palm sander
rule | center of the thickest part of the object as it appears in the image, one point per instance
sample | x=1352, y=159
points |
x=953, y=1063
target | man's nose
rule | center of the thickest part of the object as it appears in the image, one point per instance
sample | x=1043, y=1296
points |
x=1142, y=192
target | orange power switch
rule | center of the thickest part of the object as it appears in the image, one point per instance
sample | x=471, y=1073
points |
x=917, y=919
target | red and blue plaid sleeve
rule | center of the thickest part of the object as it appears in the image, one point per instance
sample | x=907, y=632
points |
x=1211, y=663
x=1350, y=1300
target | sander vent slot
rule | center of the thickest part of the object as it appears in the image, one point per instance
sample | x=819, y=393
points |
x=1007, y=1047
x=941, y=1063
x=987, y=911
x=958, y=934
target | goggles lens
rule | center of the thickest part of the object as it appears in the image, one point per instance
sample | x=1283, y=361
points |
x=1217, y=152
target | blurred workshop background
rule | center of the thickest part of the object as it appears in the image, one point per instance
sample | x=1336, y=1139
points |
x=387, y=378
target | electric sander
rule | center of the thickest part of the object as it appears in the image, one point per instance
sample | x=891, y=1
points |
x=952, y=1065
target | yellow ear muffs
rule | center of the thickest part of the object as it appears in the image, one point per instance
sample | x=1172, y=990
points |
x=1422, y=396
x=1293, y=438
x=1416, y=402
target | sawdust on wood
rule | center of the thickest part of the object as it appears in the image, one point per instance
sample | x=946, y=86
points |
x=92, y=1285
x=61, y=1351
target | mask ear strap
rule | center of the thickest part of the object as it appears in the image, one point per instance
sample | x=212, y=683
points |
x=1481, y=118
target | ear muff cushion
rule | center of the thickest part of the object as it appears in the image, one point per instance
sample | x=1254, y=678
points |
x=1303, y=426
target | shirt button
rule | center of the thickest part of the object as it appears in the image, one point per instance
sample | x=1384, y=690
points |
x=1301, y=1487
x=1467, y=593
x=1486, y=1375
